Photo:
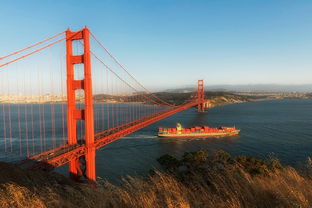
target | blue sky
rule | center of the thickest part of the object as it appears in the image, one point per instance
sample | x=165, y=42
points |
x=172, y=43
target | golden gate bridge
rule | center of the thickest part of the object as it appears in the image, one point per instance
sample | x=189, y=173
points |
x=57, y=108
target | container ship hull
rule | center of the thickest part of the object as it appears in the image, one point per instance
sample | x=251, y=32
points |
x=203, y=132
x=234, y=133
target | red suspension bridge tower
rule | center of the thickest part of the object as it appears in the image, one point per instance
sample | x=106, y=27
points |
x=200, y=96
x=73, y=114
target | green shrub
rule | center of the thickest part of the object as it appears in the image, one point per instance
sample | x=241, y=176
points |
x=169, y=162
x=193, y=160
x=221, y=157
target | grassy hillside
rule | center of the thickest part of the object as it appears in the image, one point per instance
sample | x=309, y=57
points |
x=195, y=180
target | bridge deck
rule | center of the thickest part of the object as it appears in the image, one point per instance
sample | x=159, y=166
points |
x=62, y=155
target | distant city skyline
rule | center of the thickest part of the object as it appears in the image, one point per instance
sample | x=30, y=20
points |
x=171, y=44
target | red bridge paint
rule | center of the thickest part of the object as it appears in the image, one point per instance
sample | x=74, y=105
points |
x=80, y=152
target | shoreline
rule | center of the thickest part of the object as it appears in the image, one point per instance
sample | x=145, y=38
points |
x=257, y=100
x=216, y=98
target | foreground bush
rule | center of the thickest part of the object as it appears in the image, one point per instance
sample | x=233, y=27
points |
x=194, y=180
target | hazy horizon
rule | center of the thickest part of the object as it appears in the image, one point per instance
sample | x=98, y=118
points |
x=304, y=88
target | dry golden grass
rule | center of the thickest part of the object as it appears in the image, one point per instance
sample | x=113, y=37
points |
x=230, y=186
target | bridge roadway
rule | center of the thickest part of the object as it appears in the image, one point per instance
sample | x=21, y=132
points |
x=62, y=155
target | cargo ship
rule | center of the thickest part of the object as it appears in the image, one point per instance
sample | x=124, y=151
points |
x=198, y=131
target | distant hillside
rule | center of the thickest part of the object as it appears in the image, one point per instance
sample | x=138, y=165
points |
x=216, y=98
x=251, y=88
x=177, y=98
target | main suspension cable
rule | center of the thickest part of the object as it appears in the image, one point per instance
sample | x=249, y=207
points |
x=30, y=53
x=33, y=45
x=117, y=62
x=107, y=67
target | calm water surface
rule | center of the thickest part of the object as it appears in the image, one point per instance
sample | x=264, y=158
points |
x=282, y=127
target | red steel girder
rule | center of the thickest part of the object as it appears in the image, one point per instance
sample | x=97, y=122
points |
x=141, y=124
x=60, y=156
